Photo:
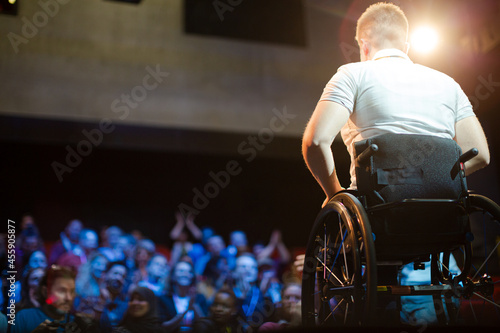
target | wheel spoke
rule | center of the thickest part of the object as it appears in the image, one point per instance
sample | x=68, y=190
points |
x=345, y=255
x=339, y=249
x=325, y=320
x=336, y=306
x=485, y=261
x=487, y=300
x=322, y=263
x=324, y=253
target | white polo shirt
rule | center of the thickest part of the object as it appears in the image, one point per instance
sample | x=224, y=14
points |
x=391, y=94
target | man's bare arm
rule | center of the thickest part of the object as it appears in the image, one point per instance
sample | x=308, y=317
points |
x=324, y=125
x=469, y=134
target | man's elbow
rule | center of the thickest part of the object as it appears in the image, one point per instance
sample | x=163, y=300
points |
x=477, y=163
x=483, y=157
x=309, y=143
x=483, y=160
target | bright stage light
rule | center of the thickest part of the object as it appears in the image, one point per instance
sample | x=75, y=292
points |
x=424, y=39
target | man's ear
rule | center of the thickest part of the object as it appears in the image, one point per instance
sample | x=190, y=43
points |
x=365, y=48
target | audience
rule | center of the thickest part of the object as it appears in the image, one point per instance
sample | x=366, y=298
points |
x=250, y=300
x=288, y=313
x=124, y=285
x=144, y=251
x=27, y=242
x=37, y=259
x=215, y=247
x=88, y=283
x=56, y=293
x=126, y=245
x=110, y=248
x=182, y=305
x=113, y=303
x=238, y=239
x=157, y=273
x=199, y=248
x=222, y=317
x=87, y=244
x=142, y=313
x=180, y=236
x=68, y=240
x=270, y=284
x=29, y=285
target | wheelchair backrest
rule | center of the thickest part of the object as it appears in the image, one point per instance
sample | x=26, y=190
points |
x=409, y=166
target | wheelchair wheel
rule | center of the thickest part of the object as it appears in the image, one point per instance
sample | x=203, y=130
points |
x=339, y=276
x=476, y=284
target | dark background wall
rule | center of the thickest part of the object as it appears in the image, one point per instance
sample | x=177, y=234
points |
x=142, y=188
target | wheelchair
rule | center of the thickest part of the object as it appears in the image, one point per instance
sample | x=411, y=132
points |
x=411, y=207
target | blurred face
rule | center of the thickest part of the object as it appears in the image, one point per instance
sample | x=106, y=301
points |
x=98, y=267
x=257, y=248
x=115, y=277
x=34, y=278
x=222, y=265
x=30, y=243
x=215, y=245
x=27, y=221
x=158, y=267
x=206, y=234
x=62, y=294
x=38, y=259
x=247, y=269
x=113, y=235
x=73, y=230
x=183, y=274
x=267, y=272
x=124, y=246
x=222, y=308
x=138, y=306
x=89, y=241
x=291, y=296
x=238, y=238
x=142, y=255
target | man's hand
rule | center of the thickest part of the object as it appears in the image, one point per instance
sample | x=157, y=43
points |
x=327, y=199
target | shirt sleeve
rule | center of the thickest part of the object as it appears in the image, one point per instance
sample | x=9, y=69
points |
x=341, y=88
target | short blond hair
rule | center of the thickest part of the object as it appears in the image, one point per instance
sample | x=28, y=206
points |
x=384, y=25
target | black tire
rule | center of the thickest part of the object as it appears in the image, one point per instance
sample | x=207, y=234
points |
x=339, y=277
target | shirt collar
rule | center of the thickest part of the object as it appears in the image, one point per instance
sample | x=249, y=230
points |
x=390, y=53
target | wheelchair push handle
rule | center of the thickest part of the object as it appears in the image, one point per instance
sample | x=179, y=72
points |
x=366, y=154
x=471, y=153
x=468, y=155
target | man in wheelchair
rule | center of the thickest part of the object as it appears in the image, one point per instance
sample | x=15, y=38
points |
x=405, y=127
